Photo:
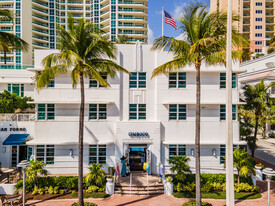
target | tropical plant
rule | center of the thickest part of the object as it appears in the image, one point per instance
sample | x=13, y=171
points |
x=96, y=176
x=258, y=100
x=36, y=168
x=180, y=167
x=84, y=53
x=10, y=42
x=243, y=163
x=122, y=39
x=10, y=102
x=205, y=42
x=271, y=47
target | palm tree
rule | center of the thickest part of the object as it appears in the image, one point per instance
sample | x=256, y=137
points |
x=10, y=42
x=122, y=39
x=96, y=176
x=271, y=47
x=258, y=100
x=243, y=163
x=83, y=53
x=36, y=168
x=205, y=41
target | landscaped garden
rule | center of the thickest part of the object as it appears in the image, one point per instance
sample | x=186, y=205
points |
x=39, y=186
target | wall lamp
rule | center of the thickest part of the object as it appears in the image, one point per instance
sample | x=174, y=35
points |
x=214, y=152
x=192, y=152
x=71, y=152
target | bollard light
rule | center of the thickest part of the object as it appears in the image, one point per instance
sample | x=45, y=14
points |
x=24, y=164
x=269, y=172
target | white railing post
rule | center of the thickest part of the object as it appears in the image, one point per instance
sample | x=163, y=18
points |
x=114, y=183
x=130, y=184
x=147, y=185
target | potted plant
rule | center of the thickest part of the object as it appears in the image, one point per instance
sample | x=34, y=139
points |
x=169, y=185
x=258, y=166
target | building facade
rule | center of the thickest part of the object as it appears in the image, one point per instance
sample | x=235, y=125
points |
x=256, y=20
x=36, y=22
x=135, y=116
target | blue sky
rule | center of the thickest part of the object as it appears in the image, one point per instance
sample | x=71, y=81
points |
x=173, y=7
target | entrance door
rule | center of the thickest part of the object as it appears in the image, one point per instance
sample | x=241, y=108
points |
x=137, y=156
x=22, y=153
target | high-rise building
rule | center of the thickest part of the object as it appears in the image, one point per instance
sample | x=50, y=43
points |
x=36, y=20
x=256, y=20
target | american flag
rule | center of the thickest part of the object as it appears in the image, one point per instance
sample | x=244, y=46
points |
x=169, y=20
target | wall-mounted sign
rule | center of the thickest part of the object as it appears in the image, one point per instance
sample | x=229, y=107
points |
x=13, y=129
x=139, y=134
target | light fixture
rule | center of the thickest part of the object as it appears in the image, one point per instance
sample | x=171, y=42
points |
x=24, y=164
x=71, y=152
x=4, y=149
x=214, y=152
x=192, y=152
x=269, y=172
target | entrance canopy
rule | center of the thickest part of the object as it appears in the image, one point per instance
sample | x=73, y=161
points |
x=16, y=139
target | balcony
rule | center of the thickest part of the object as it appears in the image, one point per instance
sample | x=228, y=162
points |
x=246, y=30
x=17, y=117
x=269, y=14
x=246, y=22
x=15, y=66
x=269, y=29
x=246, y=7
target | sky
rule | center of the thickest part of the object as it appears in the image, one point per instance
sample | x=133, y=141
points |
x=174, y=8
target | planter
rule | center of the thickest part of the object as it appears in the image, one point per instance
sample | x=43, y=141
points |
x=109, y=186
x=168, y=186
x=7, y=189
x=259, y=173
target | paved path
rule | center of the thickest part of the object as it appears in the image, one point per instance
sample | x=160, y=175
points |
x=161, y=200
x=266, y=150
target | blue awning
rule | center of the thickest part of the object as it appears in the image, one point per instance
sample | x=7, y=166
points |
x=16, y=139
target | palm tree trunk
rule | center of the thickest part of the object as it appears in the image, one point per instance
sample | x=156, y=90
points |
x=197, y=141
x=80, y=143
x=238, y=177
x=255, y=136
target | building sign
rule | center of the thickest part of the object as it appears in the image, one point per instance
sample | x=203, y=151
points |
x=139, y=135
x=13, y=129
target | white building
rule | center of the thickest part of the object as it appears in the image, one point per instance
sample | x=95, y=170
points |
x=257, y=69
x=135, y=114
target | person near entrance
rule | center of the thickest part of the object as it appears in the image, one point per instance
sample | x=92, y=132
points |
x=161, y=171
x=123, y=166
x=117, y=173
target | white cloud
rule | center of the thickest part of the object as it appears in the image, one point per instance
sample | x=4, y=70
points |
x=178, y=10
x=150, y=35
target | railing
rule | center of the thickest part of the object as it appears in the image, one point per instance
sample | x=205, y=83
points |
x=15, y=66
x=131, y=183
x=114, y=183
x=147, y=184
x=17, y=117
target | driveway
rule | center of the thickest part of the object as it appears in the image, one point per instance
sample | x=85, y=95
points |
x=266, y=150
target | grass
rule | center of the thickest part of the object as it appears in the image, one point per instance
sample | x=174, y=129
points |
x=93, y=195
x=220, y=195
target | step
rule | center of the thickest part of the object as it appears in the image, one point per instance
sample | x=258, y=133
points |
x=139, y=192
x=138, y=189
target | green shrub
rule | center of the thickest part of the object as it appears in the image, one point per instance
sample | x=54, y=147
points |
x=102, y=189
x=56, y=190
x=99, y=195
x=245, y=187
x=85, y=204
x=193, y=203
x=35, y=190
x=207, y=187
x=50, y=190
x=92, y=189
x=41, y=191
x=61, y=192
x=189, y=187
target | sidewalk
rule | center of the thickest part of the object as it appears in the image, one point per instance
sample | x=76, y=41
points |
x=161, y=200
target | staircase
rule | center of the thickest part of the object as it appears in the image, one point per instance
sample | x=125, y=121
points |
x=139, y=185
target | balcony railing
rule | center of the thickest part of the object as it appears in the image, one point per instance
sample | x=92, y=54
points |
x=17, y=117
x=15, y=66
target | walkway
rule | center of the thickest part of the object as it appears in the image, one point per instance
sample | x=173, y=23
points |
x=266, y=150
x=161, y=200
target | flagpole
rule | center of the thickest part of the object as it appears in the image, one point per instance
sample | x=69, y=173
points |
x=162, y=18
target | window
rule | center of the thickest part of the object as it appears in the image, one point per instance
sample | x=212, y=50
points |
x=46, y=111
x=259, y=19
x=177, y=150
x=258, y=34
x=51, y=84
x=258, y=27
x=137, y=80
x=45, y=153
x=94, y=83
x=223, y=112
x=223, y=151
x=137, y=111
x=177, y=111
x=259, y=11
x=97, y=111
x=177, y=80
x=259, y=3
x=97, y=154
x=258, y=43
x=18, y=89
x=258, y=50
x=223, y=80
x=14, y=156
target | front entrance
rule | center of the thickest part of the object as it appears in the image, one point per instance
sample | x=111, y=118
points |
x=19, y=153
x=137, y=156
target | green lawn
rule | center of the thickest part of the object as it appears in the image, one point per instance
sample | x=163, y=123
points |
x=220, y=195
x=93, y=195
